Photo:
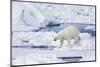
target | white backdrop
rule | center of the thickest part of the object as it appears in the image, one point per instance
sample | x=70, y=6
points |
x=5, y=33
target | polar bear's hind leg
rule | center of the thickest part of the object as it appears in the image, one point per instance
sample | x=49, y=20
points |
x=69, y=43
x=77, y=40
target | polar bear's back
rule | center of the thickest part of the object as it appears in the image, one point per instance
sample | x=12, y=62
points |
x=69, y=32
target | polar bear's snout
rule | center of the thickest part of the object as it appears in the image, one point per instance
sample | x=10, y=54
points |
x=55, y=39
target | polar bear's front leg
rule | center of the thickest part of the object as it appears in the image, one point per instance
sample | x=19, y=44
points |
x=61, y=42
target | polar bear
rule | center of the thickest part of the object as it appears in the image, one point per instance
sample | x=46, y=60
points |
x=69, y=33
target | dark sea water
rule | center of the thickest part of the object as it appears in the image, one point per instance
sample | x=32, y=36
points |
x=56, y=27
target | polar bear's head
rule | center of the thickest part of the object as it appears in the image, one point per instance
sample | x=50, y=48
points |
x=56, y=38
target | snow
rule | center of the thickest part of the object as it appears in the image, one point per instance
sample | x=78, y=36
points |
x=34, y=56
x=36, y=59
x=34, y=38
x=26, y=17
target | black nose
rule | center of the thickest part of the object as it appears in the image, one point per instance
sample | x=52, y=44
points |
x=54, y=39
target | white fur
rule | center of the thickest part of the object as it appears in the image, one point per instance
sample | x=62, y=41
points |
x=69, y=33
